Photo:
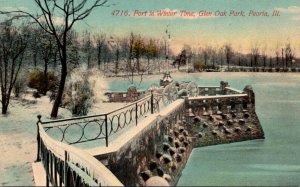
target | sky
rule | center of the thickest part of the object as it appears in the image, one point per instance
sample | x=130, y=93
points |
x=242, y=32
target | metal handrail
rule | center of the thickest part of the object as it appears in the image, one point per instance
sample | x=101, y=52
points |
x=107, y=124
x=93, y=116
x=66, y=165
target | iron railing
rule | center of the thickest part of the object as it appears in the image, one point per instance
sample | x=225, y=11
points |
x=66, y=165
x=88, y=128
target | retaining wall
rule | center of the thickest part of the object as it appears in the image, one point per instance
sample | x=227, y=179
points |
x=156, y=150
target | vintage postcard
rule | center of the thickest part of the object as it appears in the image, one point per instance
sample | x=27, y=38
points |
x=149, y=92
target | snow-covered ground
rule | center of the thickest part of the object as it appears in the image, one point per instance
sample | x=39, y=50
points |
x=18, y=136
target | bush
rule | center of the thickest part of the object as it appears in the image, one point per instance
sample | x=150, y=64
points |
x=81, y=103
x=20, y=86
x=84, y=87
x=37, y=81
x=200, y=65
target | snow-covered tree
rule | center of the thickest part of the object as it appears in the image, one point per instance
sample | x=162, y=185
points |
x=13, y=42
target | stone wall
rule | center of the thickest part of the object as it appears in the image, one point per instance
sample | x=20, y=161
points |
x=131, y=95
x=224, y=119
x=157, y=158
x=157, y=154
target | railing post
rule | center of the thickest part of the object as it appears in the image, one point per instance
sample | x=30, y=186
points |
x=106, y=131
x=47, y=169
x=152, y=103
x=136, y=114
x=38, y=138
x=65, y=169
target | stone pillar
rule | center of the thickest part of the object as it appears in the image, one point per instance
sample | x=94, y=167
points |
x=223, y=85
x=251, y=96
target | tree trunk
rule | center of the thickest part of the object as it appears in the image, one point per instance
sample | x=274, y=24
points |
x=55, y=60
x=89, y=60
x=286, y=61
x=61, y=88
x=34, y=58
x=228, y=63
x=117, y=61
x=45, y=78
x=4, y=108
x=282, y=59
x=63, y=57
x=5, y=103
x=214, y=62
x=116, y=67
x=148, y=58
x=99, y=57
x=138, y=64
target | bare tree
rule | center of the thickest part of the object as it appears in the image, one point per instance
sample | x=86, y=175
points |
x=254, y=55
x=71, y=12
x=88, y=47
x=73, y=50
x=277, y=53
x=34, y=49
x=12, y=47
x=100, y=41
x=270, y=62
x=264, y=55
x=138, y=51
x=114, y=44
x=289, y=54
x=206, y=53
x=220, y=55
x=151, y=50
x=47, y=50
x=133, y=48
x=228, y=51
x=185, y=56
x=131, y=66
x=213, y=53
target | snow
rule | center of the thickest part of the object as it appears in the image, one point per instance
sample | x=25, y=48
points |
x=18, y=135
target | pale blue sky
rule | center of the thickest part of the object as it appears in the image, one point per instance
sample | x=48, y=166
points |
x=242, y=32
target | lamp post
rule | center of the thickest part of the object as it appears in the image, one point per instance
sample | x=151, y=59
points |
x=167, y=45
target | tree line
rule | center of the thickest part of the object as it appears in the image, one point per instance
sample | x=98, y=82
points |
x=209, y=57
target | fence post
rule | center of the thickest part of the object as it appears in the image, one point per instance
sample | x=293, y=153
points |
x=38, y=138
x=65, y=169
x=106, y=131
x=136, y=114
x=152, y=103
x=47, y=168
